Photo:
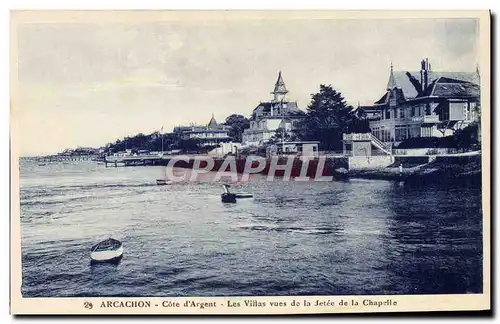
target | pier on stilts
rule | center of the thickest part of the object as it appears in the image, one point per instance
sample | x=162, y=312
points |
x=115, y=161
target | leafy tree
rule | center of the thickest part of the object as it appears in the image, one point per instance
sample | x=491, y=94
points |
x=189, y=145
x=328, y=116
x=467, y=137
x=282, y=135
x=151, y=142
x=237, y=124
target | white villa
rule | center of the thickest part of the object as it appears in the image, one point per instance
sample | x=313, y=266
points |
x=279, y=114
x=212, y=134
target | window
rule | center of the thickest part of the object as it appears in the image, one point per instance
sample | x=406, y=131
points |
x=387, y=114
x=445, y=112
x=412, y=111
x=426, y=131
x=401, y=113
x=414, y=132
x=401, y=133
x=472, y=106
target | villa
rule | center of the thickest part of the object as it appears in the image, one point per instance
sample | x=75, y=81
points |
x=424, y=104
x=270, y=117
x=210, y=135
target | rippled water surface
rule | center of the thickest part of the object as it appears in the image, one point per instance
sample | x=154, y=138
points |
x=293, y=238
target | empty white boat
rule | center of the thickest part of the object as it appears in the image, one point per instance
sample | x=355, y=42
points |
x=163, y=182
x=107, y=250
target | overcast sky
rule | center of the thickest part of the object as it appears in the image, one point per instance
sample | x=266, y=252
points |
x=89, y=84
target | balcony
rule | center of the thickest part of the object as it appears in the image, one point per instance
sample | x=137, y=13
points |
x=357, y=137
x=426, y=119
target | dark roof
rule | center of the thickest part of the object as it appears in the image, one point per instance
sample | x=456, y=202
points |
x=212, y=122
x=384, y=99
x=280, y=87
x=403, y=81
x=291, y=106
x=398, y=92
x=451, y=88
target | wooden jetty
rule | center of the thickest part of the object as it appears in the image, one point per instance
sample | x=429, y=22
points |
x=134, y=160
x=66, y=158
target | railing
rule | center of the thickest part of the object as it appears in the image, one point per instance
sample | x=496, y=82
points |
x=356, y=137
x=426, y=119
x=378, y=143
x=430, y=151
x=368, y=137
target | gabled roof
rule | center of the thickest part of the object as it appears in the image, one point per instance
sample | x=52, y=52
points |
x=280, y=87
x=445, y=87
x=402, y=80
x=398, y=92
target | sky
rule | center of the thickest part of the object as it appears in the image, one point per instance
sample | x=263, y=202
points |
x=88, y=84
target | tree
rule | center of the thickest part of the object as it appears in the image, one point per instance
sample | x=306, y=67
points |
x=237, y=124
x=467, y=137
x=282, y=135
x=189, y=145
x=328, y=116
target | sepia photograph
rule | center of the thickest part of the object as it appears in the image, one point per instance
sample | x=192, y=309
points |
x=249, y=162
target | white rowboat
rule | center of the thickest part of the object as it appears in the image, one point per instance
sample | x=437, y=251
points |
x=107, y=250
x=162, y=182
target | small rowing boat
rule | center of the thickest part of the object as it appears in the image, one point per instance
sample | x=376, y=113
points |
x=243, y=195
x=229, y=197
x=163, y=182
x=106, y=251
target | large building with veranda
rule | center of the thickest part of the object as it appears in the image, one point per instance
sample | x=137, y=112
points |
x=269, y=117
x=426, y=103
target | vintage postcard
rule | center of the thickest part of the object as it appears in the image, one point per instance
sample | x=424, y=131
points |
x=250, y=162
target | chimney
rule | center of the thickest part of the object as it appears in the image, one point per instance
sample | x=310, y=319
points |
x=424, y=77
x=422, y=68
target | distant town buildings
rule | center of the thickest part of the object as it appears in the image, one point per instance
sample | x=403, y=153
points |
x=211, y=134
x=268, y=117
x=424, y=104
x=82, y=151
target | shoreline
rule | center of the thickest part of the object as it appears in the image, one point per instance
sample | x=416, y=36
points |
x=435, y=172
x=418, y=170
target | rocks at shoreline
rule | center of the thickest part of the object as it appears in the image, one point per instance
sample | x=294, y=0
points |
x=434, y=172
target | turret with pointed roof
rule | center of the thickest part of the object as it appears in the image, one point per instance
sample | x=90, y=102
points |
x=212, y=123
x=279, y=89
x=391, y=84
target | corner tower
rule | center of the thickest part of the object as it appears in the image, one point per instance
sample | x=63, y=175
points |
x=279, y=89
